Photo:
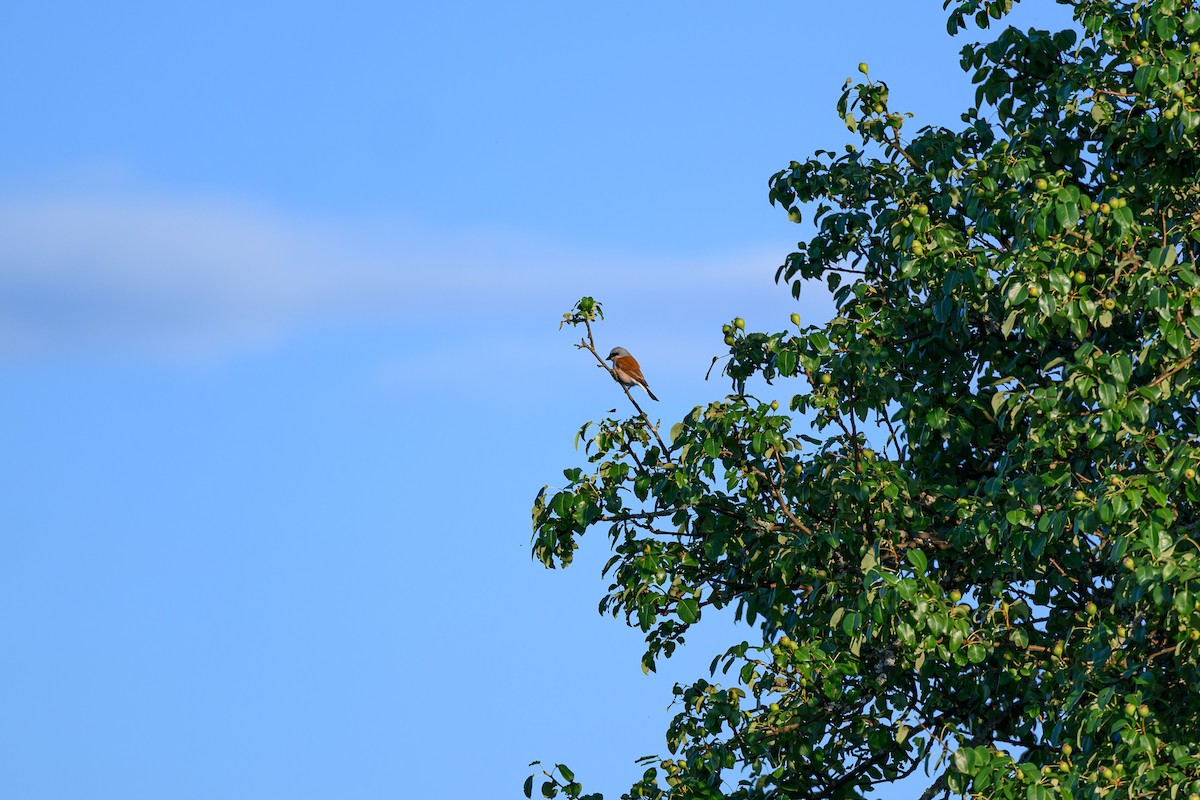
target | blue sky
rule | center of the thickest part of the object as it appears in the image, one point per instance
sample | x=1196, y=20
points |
x=280, y=371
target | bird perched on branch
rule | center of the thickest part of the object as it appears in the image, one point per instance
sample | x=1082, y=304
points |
x=628, y=371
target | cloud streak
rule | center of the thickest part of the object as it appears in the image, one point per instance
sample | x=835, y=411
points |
x=176, y=277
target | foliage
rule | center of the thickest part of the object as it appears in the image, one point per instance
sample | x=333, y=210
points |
x=971, y=547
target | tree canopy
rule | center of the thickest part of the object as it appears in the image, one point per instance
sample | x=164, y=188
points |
x=966, y=547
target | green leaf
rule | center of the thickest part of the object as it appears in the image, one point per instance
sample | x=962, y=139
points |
x=785, y=362
x=688, y=610
x=1121, y=368
x=917, y=559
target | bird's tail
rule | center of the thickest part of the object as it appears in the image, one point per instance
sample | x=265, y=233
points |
x=652, y=397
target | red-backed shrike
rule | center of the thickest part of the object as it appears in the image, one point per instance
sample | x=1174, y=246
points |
x=628, y=371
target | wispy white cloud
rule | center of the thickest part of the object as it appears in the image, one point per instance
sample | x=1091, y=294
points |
x=143, y=273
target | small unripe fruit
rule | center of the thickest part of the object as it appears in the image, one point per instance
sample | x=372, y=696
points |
x=1057, y=649
x=774, y=405
x=877, y=108
x=896, y=121
x=794, y=216
x=1189, y=473
x=826, y=379
x=1143, y=711
x=729, y=340
x=1080, y=496
x=795, y=319
x=1194, y=48
x=918, y=249
x=1067, y=749
x=955, y=596
x=1136, y=60
x=1042, y=184
x=1109, y=304
x=1080, y=277
x=922, y=210
x=773, y=707
x=1130, y=709
x=740, y=324
x=1128, y=562
x=1091, y=609
x=862, y=67
x=1035, y=292
x=1106, y=773
x=1105, y=208
x=1194, y=634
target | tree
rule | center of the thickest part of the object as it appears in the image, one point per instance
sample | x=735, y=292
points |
x=971, y=546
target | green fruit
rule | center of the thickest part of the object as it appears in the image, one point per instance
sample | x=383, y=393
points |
x=826, y=379
x=795, y=319
x=1091, y=609
x=918, y=249
x=922, y=210
x=1109, y=304
x=1194, y=634
x=862, y=67
x=1128, y=562
x=1143, y=711
x=740, y=324
x=1136, y=60
x=794, y=216
x=896, y=121
x=1130, y=709
x=1105, y=208
x=955, y=596
x=1106, y=773
x=1035, y=291
x=1194, y=48
x=1080, y=277
x=1042, y=184
x=729, y=340
x=1057, y=649
x=1067, y=749
x=1189, y=473
x=877, y=108
x=1080, y=496
x=774, y=405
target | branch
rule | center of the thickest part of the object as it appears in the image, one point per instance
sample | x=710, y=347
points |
x=589, y=344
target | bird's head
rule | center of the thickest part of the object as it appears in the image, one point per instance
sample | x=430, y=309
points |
x=617, y=352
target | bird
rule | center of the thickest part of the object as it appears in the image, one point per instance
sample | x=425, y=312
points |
x=627, y=370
